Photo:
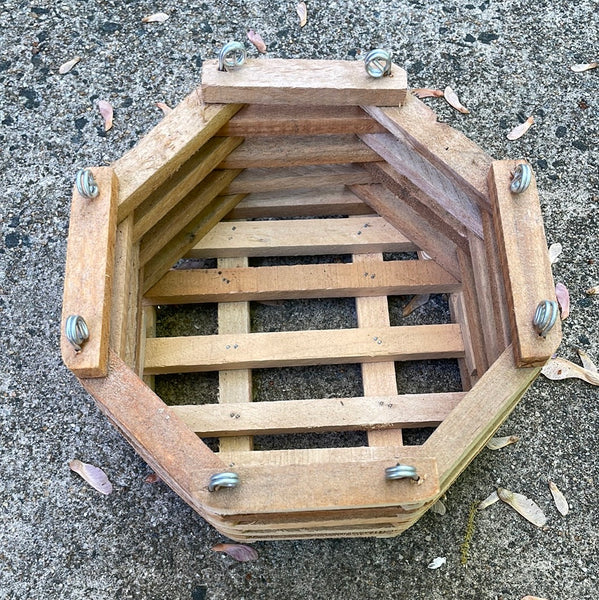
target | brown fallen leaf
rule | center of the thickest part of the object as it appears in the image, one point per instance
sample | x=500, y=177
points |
x=560, y=368
x=454, y=101
x=563, y=298
x=518, y=131
x=152, y=478
x=66, y=67
x=560, y=500
x=302, y=13
x=523, y=505
x=427, y=93
x=155, y=18
x=414, y=303
x=554, y=251
x=106, y=112
x=593, y=291
x=239, y=552
x=165, y=108
x=496, y=443
x=586, y=360
x=257, y=40
x=584, y=67
x=93, y=475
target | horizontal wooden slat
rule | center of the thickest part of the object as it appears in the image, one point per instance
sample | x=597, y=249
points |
x=264, y=120
x=302, y=237
x=302, y=82
x=299, y=151
x=323, y=414
x=302, y=281
x=297, y=348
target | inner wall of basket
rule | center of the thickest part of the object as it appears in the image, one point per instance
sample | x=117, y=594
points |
x=317, y=381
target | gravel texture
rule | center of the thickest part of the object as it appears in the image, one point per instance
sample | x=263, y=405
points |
x=61, y=539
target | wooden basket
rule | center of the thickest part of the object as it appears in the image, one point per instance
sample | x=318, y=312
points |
x=225, y=177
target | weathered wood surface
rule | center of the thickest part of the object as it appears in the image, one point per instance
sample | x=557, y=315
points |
x=302, y=82
x=89, y=274
x=526, y=269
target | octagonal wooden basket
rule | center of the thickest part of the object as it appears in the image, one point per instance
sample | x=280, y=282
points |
x=295, y=158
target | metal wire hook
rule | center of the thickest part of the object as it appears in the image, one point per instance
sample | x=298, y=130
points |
x=76, y=331
x=219, y=480
x=545, y=317
x=231, y=56
x=86, y=184
x=401, y=472
x=521, y=179
x=378, y=63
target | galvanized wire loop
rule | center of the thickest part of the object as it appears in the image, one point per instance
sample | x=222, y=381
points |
x=401, y=472
x=76, y=331
x=545, y=317
x=231, y=56
x=219, y=480
x=86, y=184
x=521, y=179
x=378, y=63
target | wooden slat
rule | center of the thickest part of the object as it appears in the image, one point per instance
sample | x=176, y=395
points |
x=88, y=274
x=448, y=149
x=186, y=239
x=446, y=199
x=264, y=120
x=149, y=328
x=372, y=278
x=297, y=348
x=166, y=147
x=300, y=203
x=290, y=178
x=415, y=227
x=302, y=82
x=299, y=151
x=181, y=183
x=302, y=237
x=324, y=414
x=526, y=268
x=183, y=213
x=467, y=365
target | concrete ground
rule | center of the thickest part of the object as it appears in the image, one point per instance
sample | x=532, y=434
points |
x=59, y=538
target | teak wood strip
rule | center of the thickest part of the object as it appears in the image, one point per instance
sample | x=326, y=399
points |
x=458, y=157
x=166, y=147
x=89, y=274
x=181, y=183
x=289, y=178
x=415, y=227
x=186, y=239
x=297, y=348
x=134, y=314
x=526, y=269
x=467, y=365
x=264, y=120
x=302, y=82
x=370, y=413
x=368, y=278
x=234, y=387
x=183, y=213
x=302, y=237
x=299, y=151
x=300, y=203
x=448, y=201
x=149, y=328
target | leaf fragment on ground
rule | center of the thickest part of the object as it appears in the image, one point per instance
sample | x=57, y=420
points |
x=563, y=299
x=427, y=93
x=496, y=443
x=66, y=67
x=152, y=478
x=439, y=508
x=240, y=552
x=437, y=562
x=106, y=111
x=523, y=505
x=93, y=475
x=558, y=368
x=165, y=108
x=581, y=68
x=593, y=291
x=414, y=303
x=587, y=361
x=454, y=101
x=554, y=251
x=302, y=13
x=257, y=40
x=560, y=500
x=155, y=18
x=518, y=131
x=488, y=501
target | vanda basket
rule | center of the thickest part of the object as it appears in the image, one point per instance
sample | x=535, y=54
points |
x=371, y=173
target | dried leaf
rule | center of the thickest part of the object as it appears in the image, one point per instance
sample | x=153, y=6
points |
x=257, y=40
x=239, y=552
x=560, y=368
x=520, y=130
x=93, y=475
x=66, y=67
x=165, y=108
x=584, y=67
x=437, y=562
x=554, y=251
x=497, y=443
x=439, y=508
x=563, y=298
x=302, y=12
x=152, y=478
x=523, y=505
x=427, y=93
x=414, y=303
x=593, y=291
x=488, y=501
x=155, y=18
x=106, y=112
x=560, y=500
x=454, y=101
x=586, y=360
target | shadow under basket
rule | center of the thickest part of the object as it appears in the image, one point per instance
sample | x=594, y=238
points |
x=258, y=198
